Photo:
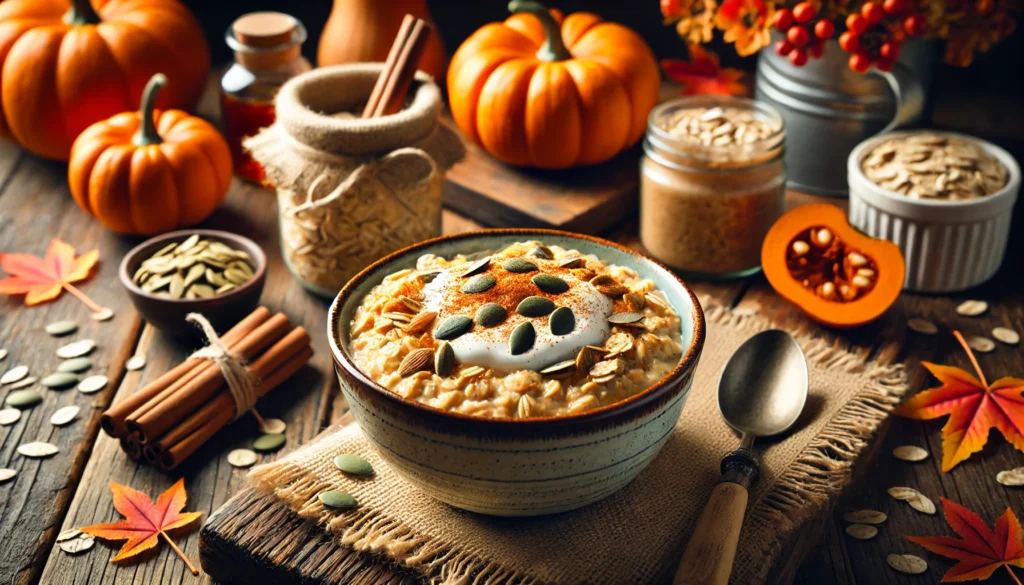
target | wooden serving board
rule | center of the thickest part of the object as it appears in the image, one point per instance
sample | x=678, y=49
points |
x=588, y=200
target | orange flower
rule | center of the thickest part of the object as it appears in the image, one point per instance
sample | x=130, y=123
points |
x=695, y=21
x=746, y=24
x=701, y=75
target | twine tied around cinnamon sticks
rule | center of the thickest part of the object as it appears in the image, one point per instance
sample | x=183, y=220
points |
x=241, y=382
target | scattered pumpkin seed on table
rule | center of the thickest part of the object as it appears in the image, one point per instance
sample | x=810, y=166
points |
x=75, y=365
x=865, y=517
x=353, y=464
x=64, y=415
x=61, y=328
x=38, y=449
x=535, y=307
x=337, y=499
x=971, y=308
x=1011, y=477
x=14, y=374
x=269, y=442
x=522, y=338
x=922, y=326
x=3, y=353
x=982, y=344
x=92, y=384
x=23, y=399
x=24, y=383
x=910, y=453
x=136, y=362
x=273, y=426
x=490, y=315
x=1006, y=335
x=76, y=349
x=9, y=416
x=862, y=531
x=69, y=534
x=916, y=499
x=7, y=474
x=78, y=544
x=104, y=314
x=242, y=458
x=909, y=564
x=59, y=380
x=562, y=321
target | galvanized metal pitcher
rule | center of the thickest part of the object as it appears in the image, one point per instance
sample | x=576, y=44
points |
x=829, y=109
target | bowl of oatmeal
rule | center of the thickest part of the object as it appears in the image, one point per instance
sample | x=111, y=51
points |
x=944, y=198
x=516, y=372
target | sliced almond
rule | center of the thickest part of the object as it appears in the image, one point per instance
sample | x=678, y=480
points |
x=910, y=453
x=419, y=324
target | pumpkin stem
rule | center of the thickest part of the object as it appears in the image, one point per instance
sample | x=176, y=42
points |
x=82, y=13
x=553, y=48
x=147, y=133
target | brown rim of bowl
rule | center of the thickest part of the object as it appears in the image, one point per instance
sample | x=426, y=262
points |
x=686, y=362
x=236, y=241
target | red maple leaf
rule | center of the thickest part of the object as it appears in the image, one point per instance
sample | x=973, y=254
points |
x=145, y=522
x=701, y=75
x=974, y=408
x=43, y=279
x=980, y=550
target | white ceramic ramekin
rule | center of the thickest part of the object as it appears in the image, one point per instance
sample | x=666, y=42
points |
x=947, y=245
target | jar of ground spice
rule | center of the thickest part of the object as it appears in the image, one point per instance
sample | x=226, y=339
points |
x=712, y=183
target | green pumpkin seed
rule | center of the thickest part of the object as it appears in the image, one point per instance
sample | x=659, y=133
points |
x=559, y=368
x=562, y=321
x=24, y=399
x=428, y=277
x=475, y=267
x=479, y=284
x=535, y=307
x=61, y=328
x=542, y=252
x=522, y=338
x=444, y=360
x=625, y=318
x=60, y=380
x=453, y=327
x=574, y=263
x=518, y=265
x=490, y=315
x=353, y=464
x=550, y=284
x=75, y=365
x=267, y=443
x=337, y=499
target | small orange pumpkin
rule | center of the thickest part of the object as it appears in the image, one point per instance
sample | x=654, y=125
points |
x=838, y=276
x=65, y=64
x=150, y=172
x=533, y=93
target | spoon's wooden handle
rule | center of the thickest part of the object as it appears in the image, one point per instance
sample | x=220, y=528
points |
x=709, y=554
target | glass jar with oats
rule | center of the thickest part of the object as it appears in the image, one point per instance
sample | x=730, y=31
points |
x=712, y=181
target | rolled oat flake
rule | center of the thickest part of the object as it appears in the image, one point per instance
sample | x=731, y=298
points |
x=60, y=328
x=910, y=453
x=38, y=449
x=9, y=416
x=1011, y=477
x=273, y=426
x=971, y=308
x=76, y=349
x=93, y=384
x=78, y=545
x=14, y=374
x=865, y=517
x=909, y=564
x=242, y=458
x=6, y=474
x=1006, y=335
x=136, y=362
x=64, y=416
x=922, y=326
x=982, y=344
x=862, y=531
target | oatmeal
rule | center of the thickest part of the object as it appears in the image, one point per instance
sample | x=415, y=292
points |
x=934, y=166
x=529, y=331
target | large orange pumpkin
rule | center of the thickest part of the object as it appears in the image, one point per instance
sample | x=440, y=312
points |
x=533, y=92
x=150, y=172
x=64, y=65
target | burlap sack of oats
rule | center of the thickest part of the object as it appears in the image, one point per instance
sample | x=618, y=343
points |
x=351, y=190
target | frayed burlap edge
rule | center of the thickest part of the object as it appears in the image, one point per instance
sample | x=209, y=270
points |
x=818, y=474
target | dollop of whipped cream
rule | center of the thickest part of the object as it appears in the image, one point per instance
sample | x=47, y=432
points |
x=488, y=347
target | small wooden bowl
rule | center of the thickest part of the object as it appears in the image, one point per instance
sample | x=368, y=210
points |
x=168, y=315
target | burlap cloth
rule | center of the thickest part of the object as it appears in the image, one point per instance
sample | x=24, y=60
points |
x=637, y=535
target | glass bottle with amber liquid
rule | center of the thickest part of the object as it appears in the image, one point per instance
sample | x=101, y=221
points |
x=267, y=49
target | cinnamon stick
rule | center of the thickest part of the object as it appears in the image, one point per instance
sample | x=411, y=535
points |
x=389, y=65
x=405, y=69
x=113, y=419
x=171, y=457
x=171, y=405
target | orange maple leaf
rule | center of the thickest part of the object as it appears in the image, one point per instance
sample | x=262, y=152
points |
x=980, y=549
x=43, y=279
x=701, y=75
x=145, y=522
x=974, y=408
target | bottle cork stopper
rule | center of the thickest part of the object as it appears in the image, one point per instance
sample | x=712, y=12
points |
x=264, y=29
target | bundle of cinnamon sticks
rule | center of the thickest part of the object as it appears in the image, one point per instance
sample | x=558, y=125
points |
x=403, y=59
x=172, y=416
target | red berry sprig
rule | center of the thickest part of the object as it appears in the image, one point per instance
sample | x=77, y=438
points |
x=874, y=35
x=804, y=38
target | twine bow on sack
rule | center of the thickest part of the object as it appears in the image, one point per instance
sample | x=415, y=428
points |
x=240, y=380
x=368, y=170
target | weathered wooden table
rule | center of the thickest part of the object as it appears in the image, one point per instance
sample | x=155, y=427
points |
x=71, y=488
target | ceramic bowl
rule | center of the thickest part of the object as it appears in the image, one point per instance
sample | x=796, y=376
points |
x=517, y=467
x=947, y=245
x=223, y=310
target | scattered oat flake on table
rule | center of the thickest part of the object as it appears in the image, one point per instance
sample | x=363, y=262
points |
x=1006, y=335
x=982, y=344
x=38, y=449
x=922, y=326
x=64, y=415
x=1011, y=477
x=14, y=374
x=862, y=531
x=43, y=279
x=104, y=314
x=981, y=550
x=909, y=564
x=242, y=458
x=865, y=517
x=92, y=384
x=7, y=474
x=273, y=426
x=910, y=453
x=971, y=308
x=9, y=416
x=136, y=362
x=78, y=544
x=76, y=349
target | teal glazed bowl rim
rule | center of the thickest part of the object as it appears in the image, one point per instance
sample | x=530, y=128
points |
x=615, y=412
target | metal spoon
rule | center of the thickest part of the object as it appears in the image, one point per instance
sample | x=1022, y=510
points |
x=761, y=393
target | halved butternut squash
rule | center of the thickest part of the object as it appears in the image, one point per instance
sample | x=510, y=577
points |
x=838, y=276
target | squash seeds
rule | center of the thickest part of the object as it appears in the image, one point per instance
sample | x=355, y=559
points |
x=9, y=416
x=353, y=464
x=24, y=399
x=3, y=353
x=916, y=499
x=92, y=384
x=909, y=564
x=7, y=474
x=76, y=349
x=922, y=326
x=242, y=458
x=910, y=453
x=982, y=344
x=479, y=284
x=136, y=362
x=490, y=315
x=550, y=284
x=475, y=267
x=78, y=544
x=194, y=269
x=624, y=318
x=269, y=442
x=865, y=517
x=337, y=499
x=535, y=307
x=541, y=251
x=24, y=383
x=1006, y=335
x=444, y=360
x=1010, y=477
x=862, y=531
x=103, y=314
x=522, y=338
x=559, y=368
x=273, y=426
x=518, y=265
x=75, y=365
x=64, y=416
x=38, y=449
x=61, y=328
x=971, y=308
x=562, y=321
x=59, y=380
x=14, y=374
x=453, y=327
